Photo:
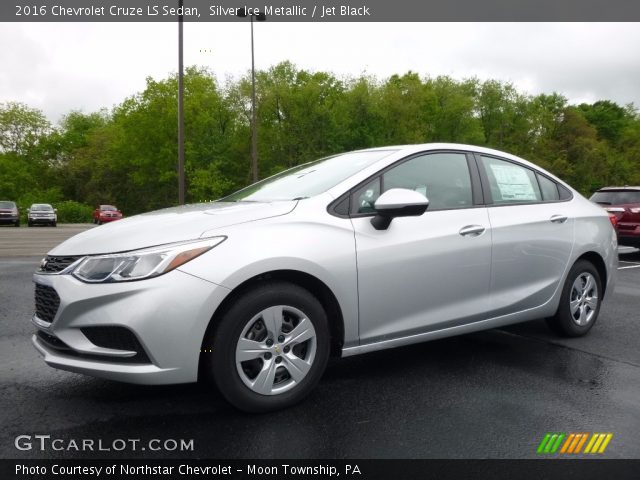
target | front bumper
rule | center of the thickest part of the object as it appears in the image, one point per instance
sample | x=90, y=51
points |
x=4, y=219
x=47, y=220
x=168, y=315
x=108, y=219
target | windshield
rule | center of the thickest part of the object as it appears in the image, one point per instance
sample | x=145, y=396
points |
x=41, y=208
x=309, y=179
x=619, y=197
x=7, y=205
x=109, y=208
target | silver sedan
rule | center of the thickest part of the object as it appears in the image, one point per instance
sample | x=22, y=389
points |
x=353, y=253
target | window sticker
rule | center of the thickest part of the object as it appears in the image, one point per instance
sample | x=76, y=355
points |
x=513, y=182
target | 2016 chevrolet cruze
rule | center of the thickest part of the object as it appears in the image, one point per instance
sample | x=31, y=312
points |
x=358, y=252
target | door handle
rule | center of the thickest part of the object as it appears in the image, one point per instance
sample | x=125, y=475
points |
x=472, y=230
x=558, y=218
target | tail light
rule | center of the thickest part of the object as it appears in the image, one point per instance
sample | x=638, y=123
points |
x=614, y=220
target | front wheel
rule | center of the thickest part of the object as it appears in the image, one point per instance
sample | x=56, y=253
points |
x=270, y=348
x=580, y=301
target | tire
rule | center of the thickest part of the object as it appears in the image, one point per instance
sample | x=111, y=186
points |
x=579, y=303
x=17, y=224
x=29, y=224
x=284, y=384
x=54, y=224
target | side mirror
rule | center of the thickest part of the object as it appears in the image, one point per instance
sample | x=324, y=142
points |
x=55, y=210
x=28, y=210
x=398, y=202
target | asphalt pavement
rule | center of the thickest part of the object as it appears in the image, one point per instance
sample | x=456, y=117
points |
x=492, y=394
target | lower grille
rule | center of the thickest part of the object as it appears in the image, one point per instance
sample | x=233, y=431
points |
x=54, y=343
x=47, y=302
x=117, y=338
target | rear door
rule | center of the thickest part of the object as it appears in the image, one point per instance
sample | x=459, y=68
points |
x=532, y=233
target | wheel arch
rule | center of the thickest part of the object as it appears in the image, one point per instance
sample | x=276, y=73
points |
x=305, y=280
x=598, y=262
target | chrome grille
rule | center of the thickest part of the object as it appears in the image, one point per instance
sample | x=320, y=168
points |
x=52, y=264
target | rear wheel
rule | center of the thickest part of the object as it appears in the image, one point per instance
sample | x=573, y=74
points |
x=580, y=301
x=270, y=348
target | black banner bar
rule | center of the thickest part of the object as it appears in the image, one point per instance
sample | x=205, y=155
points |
x=322, y=10
x=566, y=469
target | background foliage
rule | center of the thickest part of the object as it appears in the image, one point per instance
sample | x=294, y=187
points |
x=128, y=156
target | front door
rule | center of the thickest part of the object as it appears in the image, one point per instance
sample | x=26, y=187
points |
x=428, y=272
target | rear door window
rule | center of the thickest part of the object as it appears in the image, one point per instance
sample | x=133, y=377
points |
x=510, y=182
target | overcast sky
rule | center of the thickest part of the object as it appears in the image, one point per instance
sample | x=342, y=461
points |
x=59, y=67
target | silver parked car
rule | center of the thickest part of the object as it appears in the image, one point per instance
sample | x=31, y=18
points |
x=42, y=214
x=353, y=253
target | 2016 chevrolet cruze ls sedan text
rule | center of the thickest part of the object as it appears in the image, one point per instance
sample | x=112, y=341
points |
x=358, y=252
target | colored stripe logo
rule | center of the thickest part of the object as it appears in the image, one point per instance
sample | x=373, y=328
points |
x=573, y=443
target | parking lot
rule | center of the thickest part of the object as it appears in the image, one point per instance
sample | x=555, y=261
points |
x=491, y=394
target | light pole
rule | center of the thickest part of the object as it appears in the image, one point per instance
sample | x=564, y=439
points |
x=261, y=17
x=181, y=182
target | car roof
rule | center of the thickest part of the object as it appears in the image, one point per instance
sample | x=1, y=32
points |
x=40, y=204
x=420, y=147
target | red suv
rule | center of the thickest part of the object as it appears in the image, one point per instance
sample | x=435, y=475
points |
x=106, y=213
x=624, y=203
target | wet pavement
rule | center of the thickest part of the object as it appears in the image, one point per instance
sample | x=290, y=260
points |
x=492, y=394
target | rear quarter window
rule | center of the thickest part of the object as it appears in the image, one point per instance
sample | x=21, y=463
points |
x=548, y=188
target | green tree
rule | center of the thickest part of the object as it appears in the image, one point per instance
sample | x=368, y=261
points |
x=21, y=127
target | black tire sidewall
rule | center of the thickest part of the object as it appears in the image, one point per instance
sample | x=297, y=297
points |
x=563, y=320
x=225, y=336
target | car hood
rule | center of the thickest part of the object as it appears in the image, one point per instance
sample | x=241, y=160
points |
x=169, y=225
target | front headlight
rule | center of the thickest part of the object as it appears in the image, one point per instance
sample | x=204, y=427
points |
x=141, y=264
